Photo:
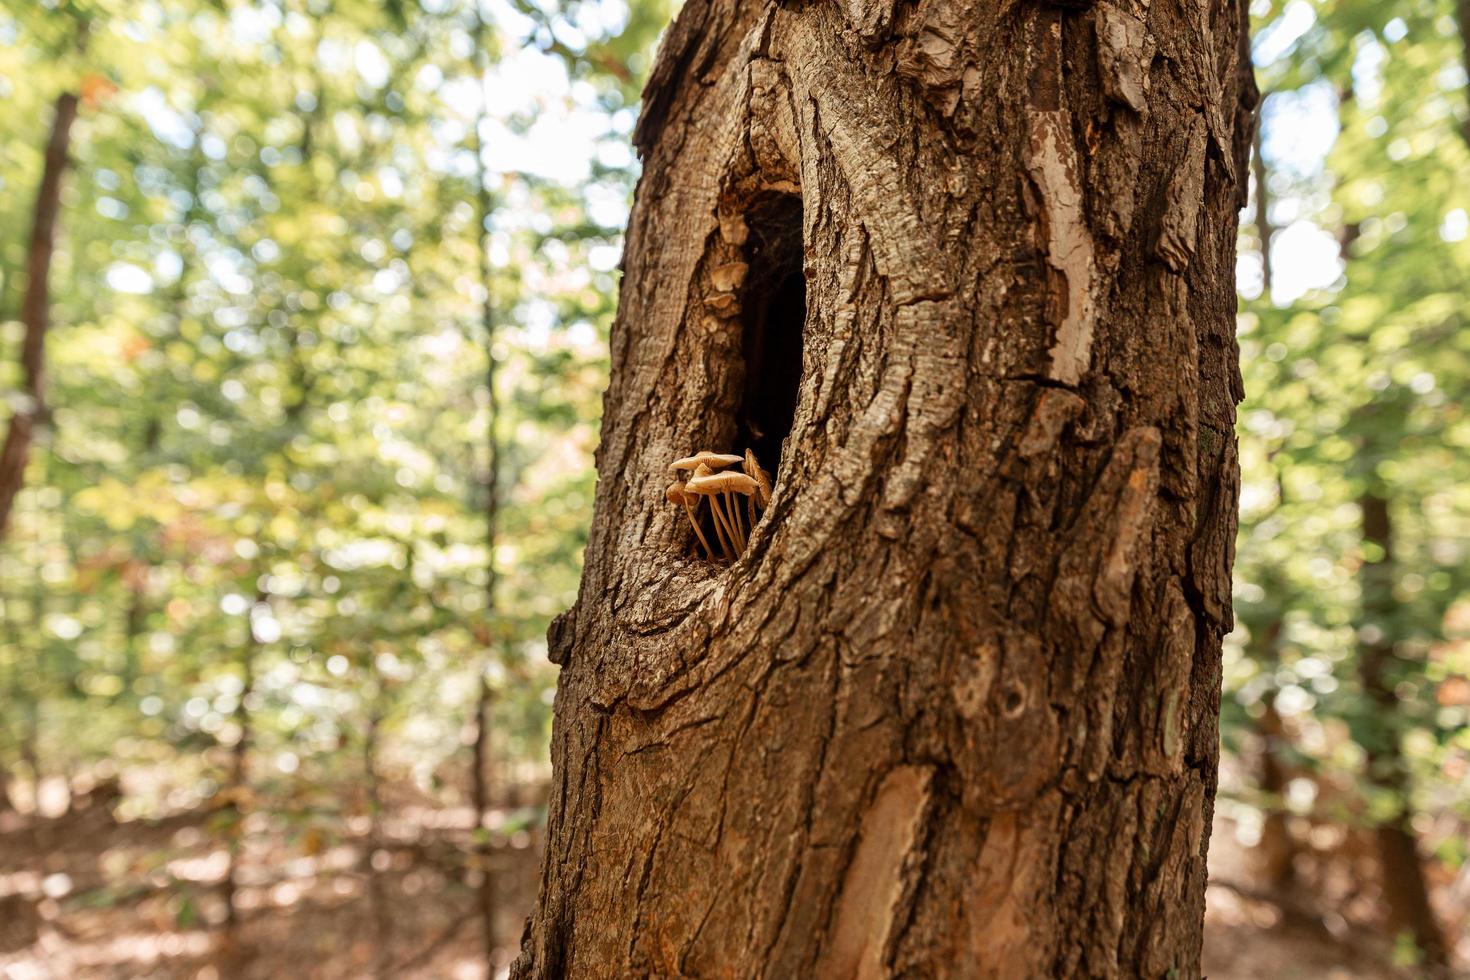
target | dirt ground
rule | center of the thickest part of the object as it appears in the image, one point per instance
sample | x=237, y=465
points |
x=84, y=896
x=1249, y=937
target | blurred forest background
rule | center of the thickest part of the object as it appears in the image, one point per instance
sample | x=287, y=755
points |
x=311, y=464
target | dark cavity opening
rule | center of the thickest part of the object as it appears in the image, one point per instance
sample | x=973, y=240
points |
x=773, y=312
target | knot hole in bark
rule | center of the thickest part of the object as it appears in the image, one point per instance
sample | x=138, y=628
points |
x=772, y=313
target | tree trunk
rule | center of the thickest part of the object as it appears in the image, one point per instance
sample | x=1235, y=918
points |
x=34, y=685
x=962, y=273
x=488, y=886
x=378, y=905
x=1265, y=231
x=487, y=889
x=35, y=310
x=15, y=694
x=1277, y=849
x=30, y=748
x=1401, y=866
x=1462, y=10
x=237, y=793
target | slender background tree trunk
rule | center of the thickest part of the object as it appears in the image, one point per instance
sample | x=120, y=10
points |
x=381, y=910
x=1265, y=231
x=1277, y=848
x=1462, y=10
x=1401, y=865
x=238, y=803
x=962, y=273
x=488, y=887
x=35, y=310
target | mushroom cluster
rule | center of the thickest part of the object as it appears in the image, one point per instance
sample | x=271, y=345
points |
x=709, y=475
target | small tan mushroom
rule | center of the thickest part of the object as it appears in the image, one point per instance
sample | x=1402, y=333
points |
x=722, y=533
x=720, y=487
x=676, y=494
x=728, y=481
x=715, y=461
x=762, y=496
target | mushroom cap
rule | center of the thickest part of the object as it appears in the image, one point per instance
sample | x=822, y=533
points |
x=760, y=476
x=676, y=494
x=729, y=481
x=715, y=461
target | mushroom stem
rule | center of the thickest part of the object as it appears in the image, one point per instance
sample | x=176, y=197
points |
x=727, y=533
x=732, y=516
x=694, y=522
x=732, y=519
x=733, y=502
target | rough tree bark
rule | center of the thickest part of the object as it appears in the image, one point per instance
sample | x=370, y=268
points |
x=35, y=310
x=954, y=712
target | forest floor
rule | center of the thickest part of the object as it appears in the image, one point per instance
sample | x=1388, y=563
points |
x=1250, y=936
x=84, y=896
